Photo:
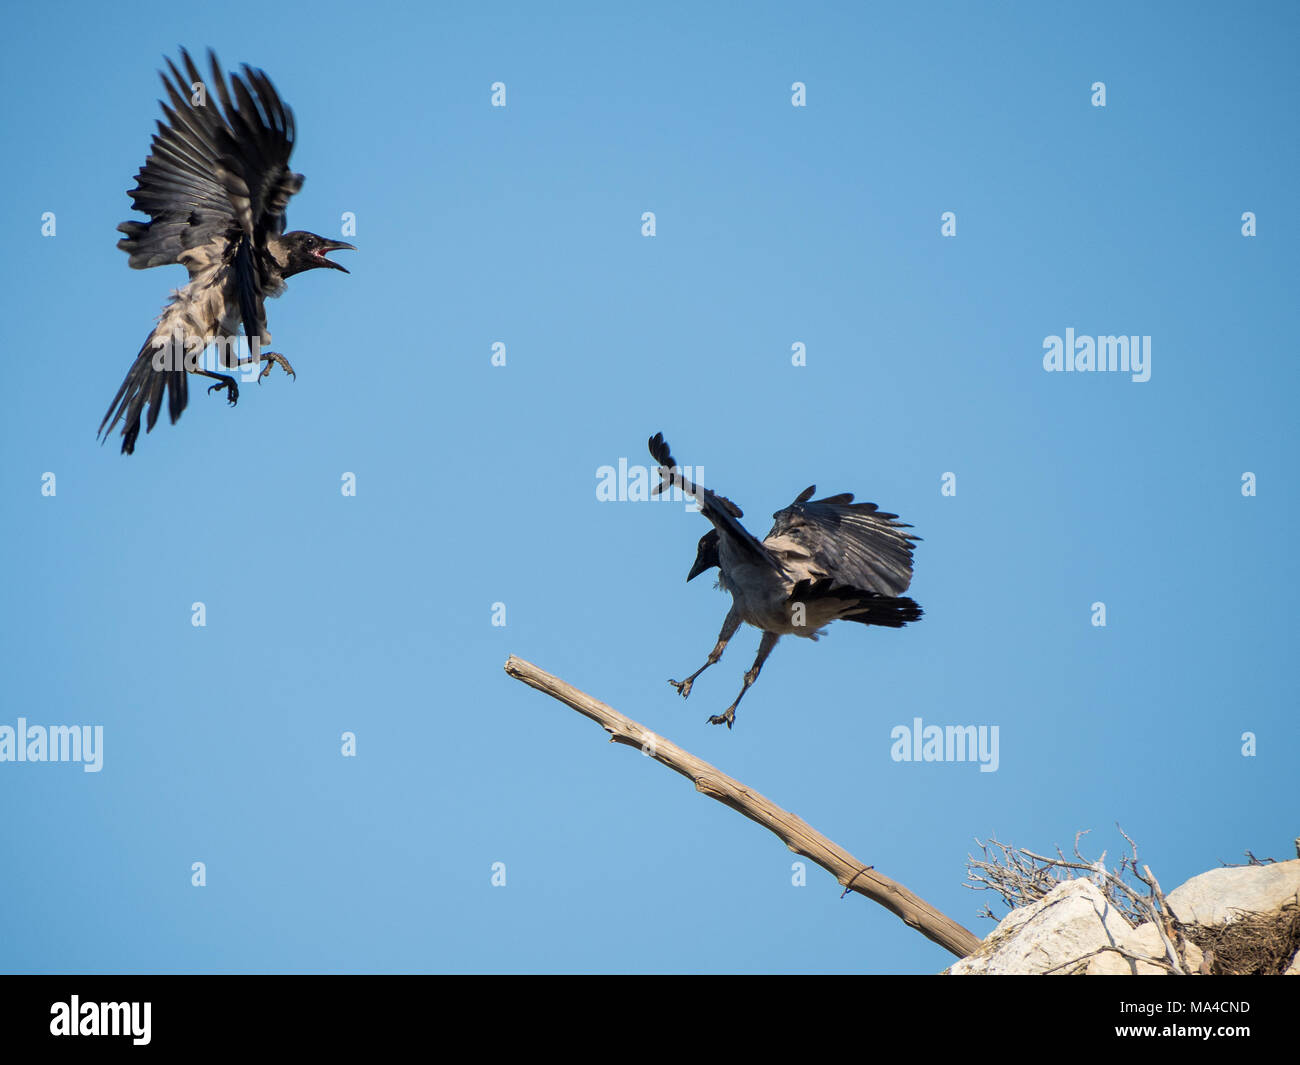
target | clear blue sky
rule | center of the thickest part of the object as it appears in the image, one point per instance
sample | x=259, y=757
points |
x=475, y=485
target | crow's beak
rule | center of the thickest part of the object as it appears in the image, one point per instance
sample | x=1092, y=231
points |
x=333, y=245
x=700, y=566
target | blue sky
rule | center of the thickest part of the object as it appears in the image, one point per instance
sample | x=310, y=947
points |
x=522, y=225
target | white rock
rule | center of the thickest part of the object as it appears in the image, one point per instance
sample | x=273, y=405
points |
x=1070, y=921
x=1145, y=941
x=1217, y=897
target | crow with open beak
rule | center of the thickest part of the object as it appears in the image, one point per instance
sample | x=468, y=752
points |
x=824, y=560
x=215, y=188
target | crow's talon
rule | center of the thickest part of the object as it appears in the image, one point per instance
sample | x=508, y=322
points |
x=232, y=389
x=274, y=358
x=723, y=719
x=683, y=686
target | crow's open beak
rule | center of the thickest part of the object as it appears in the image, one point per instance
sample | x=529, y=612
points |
x=333, y=245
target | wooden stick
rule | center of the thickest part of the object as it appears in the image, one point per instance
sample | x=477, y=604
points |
x=793, y=832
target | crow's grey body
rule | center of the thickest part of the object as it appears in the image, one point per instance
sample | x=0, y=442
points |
x=216, y=186
x=824, y=560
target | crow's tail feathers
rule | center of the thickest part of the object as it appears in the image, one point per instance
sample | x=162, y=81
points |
x=889, y=611
x=145, y=384
x=867, y=608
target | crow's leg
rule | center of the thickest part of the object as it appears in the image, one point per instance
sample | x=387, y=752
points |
x=271, y=358
x=728, y=716
x=729, y=627
x=228, y=383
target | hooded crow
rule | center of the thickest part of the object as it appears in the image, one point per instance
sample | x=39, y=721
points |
x=215, y=188
x=824, y=560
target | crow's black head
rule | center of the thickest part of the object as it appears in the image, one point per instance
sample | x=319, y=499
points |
x=306, y=251
x=706, y=557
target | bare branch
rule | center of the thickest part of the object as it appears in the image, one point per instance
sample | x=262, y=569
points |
x=1163, y=923
x=793, y=832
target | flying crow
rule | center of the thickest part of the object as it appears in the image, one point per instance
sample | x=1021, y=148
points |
x=215, y=188
x=825, y=559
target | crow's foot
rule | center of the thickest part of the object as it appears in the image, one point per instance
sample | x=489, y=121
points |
x=274, y=358
x=728, y=718
x=232, y=389
x=683, y=686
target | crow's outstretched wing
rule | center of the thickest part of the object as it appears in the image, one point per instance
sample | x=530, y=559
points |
x=855, y=545
x=217, y=180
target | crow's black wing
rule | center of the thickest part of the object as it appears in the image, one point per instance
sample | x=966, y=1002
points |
x=853, y=544
x=215, y=184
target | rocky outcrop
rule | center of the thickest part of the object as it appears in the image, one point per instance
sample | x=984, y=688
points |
x=1144, y=941
x=1223, y=895
x=1235, y=919
x=1069, y=922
